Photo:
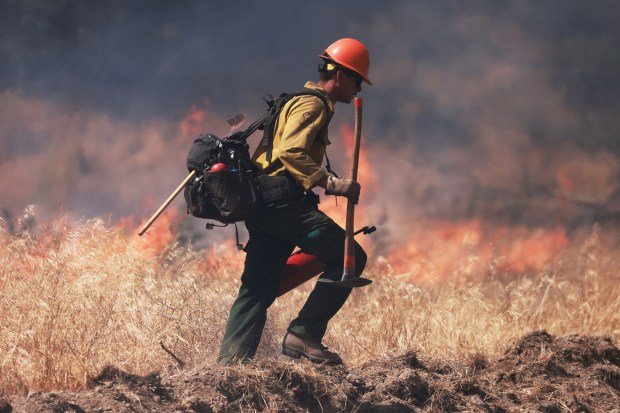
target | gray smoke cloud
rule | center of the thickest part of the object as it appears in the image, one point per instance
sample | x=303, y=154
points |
x=478, y=108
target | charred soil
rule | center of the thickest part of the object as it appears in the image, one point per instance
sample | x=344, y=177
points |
x=539, y=372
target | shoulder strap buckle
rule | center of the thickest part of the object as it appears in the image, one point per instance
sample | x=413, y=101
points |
x=269, y=100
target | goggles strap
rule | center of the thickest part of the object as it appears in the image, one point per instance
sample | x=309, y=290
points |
x=328, y=67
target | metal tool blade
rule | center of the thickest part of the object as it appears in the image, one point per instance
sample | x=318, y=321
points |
x=348, y=283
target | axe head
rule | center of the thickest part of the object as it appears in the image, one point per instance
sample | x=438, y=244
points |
x=352, y=282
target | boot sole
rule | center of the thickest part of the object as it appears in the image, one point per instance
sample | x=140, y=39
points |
x=298, y=354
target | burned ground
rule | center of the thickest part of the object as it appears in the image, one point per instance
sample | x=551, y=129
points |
x=539, y=372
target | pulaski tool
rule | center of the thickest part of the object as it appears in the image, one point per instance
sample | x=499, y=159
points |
x=348, y=275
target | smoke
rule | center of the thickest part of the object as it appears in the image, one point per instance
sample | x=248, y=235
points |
x=483, y=115
x=87, y=162
x=506, y=110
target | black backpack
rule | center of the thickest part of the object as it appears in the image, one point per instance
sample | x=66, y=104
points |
x=226, y=186
x=227, y=195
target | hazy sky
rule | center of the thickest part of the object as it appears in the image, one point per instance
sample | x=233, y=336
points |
x=469, y=97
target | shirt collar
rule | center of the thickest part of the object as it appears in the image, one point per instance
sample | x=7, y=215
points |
x=315, y=86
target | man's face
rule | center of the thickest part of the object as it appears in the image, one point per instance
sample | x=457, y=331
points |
x=350, y=85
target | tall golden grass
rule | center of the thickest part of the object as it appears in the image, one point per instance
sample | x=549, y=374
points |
x=75, y=297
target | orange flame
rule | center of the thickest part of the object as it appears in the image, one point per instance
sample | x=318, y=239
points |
x=223, y=258
x=160, y=235
x=194, y=122
x=438, y=249
x=534, y=250
x=564, y=181
x=365, y=175
x=442, y=249
x=337, y=208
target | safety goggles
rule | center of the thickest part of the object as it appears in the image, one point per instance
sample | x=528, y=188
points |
x=358, y=79
x=328, y=67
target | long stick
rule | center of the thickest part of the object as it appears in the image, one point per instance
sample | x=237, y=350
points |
x=171, y=354
x=349, y=241
x=166, y=203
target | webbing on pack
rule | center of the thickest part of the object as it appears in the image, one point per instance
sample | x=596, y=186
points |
x=268, y=120
x=274, y=110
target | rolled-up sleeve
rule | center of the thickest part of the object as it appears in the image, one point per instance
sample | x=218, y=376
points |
x=305, y=119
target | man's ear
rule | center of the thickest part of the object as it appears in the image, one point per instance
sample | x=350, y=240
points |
x=339, y=75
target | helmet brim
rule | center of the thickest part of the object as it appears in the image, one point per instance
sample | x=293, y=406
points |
x=325, y=56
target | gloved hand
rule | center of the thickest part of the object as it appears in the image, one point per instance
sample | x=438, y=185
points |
x=343, y=187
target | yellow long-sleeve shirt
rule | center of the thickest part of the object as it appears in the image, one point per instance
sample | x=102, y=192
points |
x=299, y=140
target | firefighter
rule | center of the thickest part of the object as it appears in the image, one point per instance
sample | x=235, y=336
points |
x=299, y=146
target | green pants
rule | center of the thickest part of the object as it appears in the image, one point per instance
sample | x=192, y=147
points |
x=274, y=233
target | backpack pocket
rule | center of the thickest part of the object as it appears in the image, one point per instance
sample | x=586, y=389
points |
x=279, y=190
x=233, y=193
x=199, y=203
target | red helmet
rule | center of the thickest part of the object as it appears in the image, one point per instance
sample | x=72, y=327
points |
x=351, y=54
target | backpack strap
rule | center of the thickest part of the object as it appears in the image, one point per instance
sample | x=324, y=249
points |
x=268, y=121
x=313, y=92
x=276, y=107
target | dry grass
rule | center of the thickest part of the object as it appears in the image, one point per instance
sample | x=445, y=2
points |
x=76, y=297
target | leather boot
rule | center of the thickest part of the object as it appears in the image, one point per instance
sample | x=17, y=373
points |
x=297, y=347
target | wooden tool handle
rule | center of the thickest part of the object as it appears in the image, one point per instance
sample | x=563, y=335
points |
x=349, y=241
x=166, y=203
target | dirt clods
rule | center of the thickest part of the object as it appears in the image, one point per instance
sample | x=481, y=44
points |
x=539, y=372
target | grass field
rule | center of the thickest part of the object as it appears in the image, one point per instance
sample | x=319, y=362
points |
x=75, y=297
